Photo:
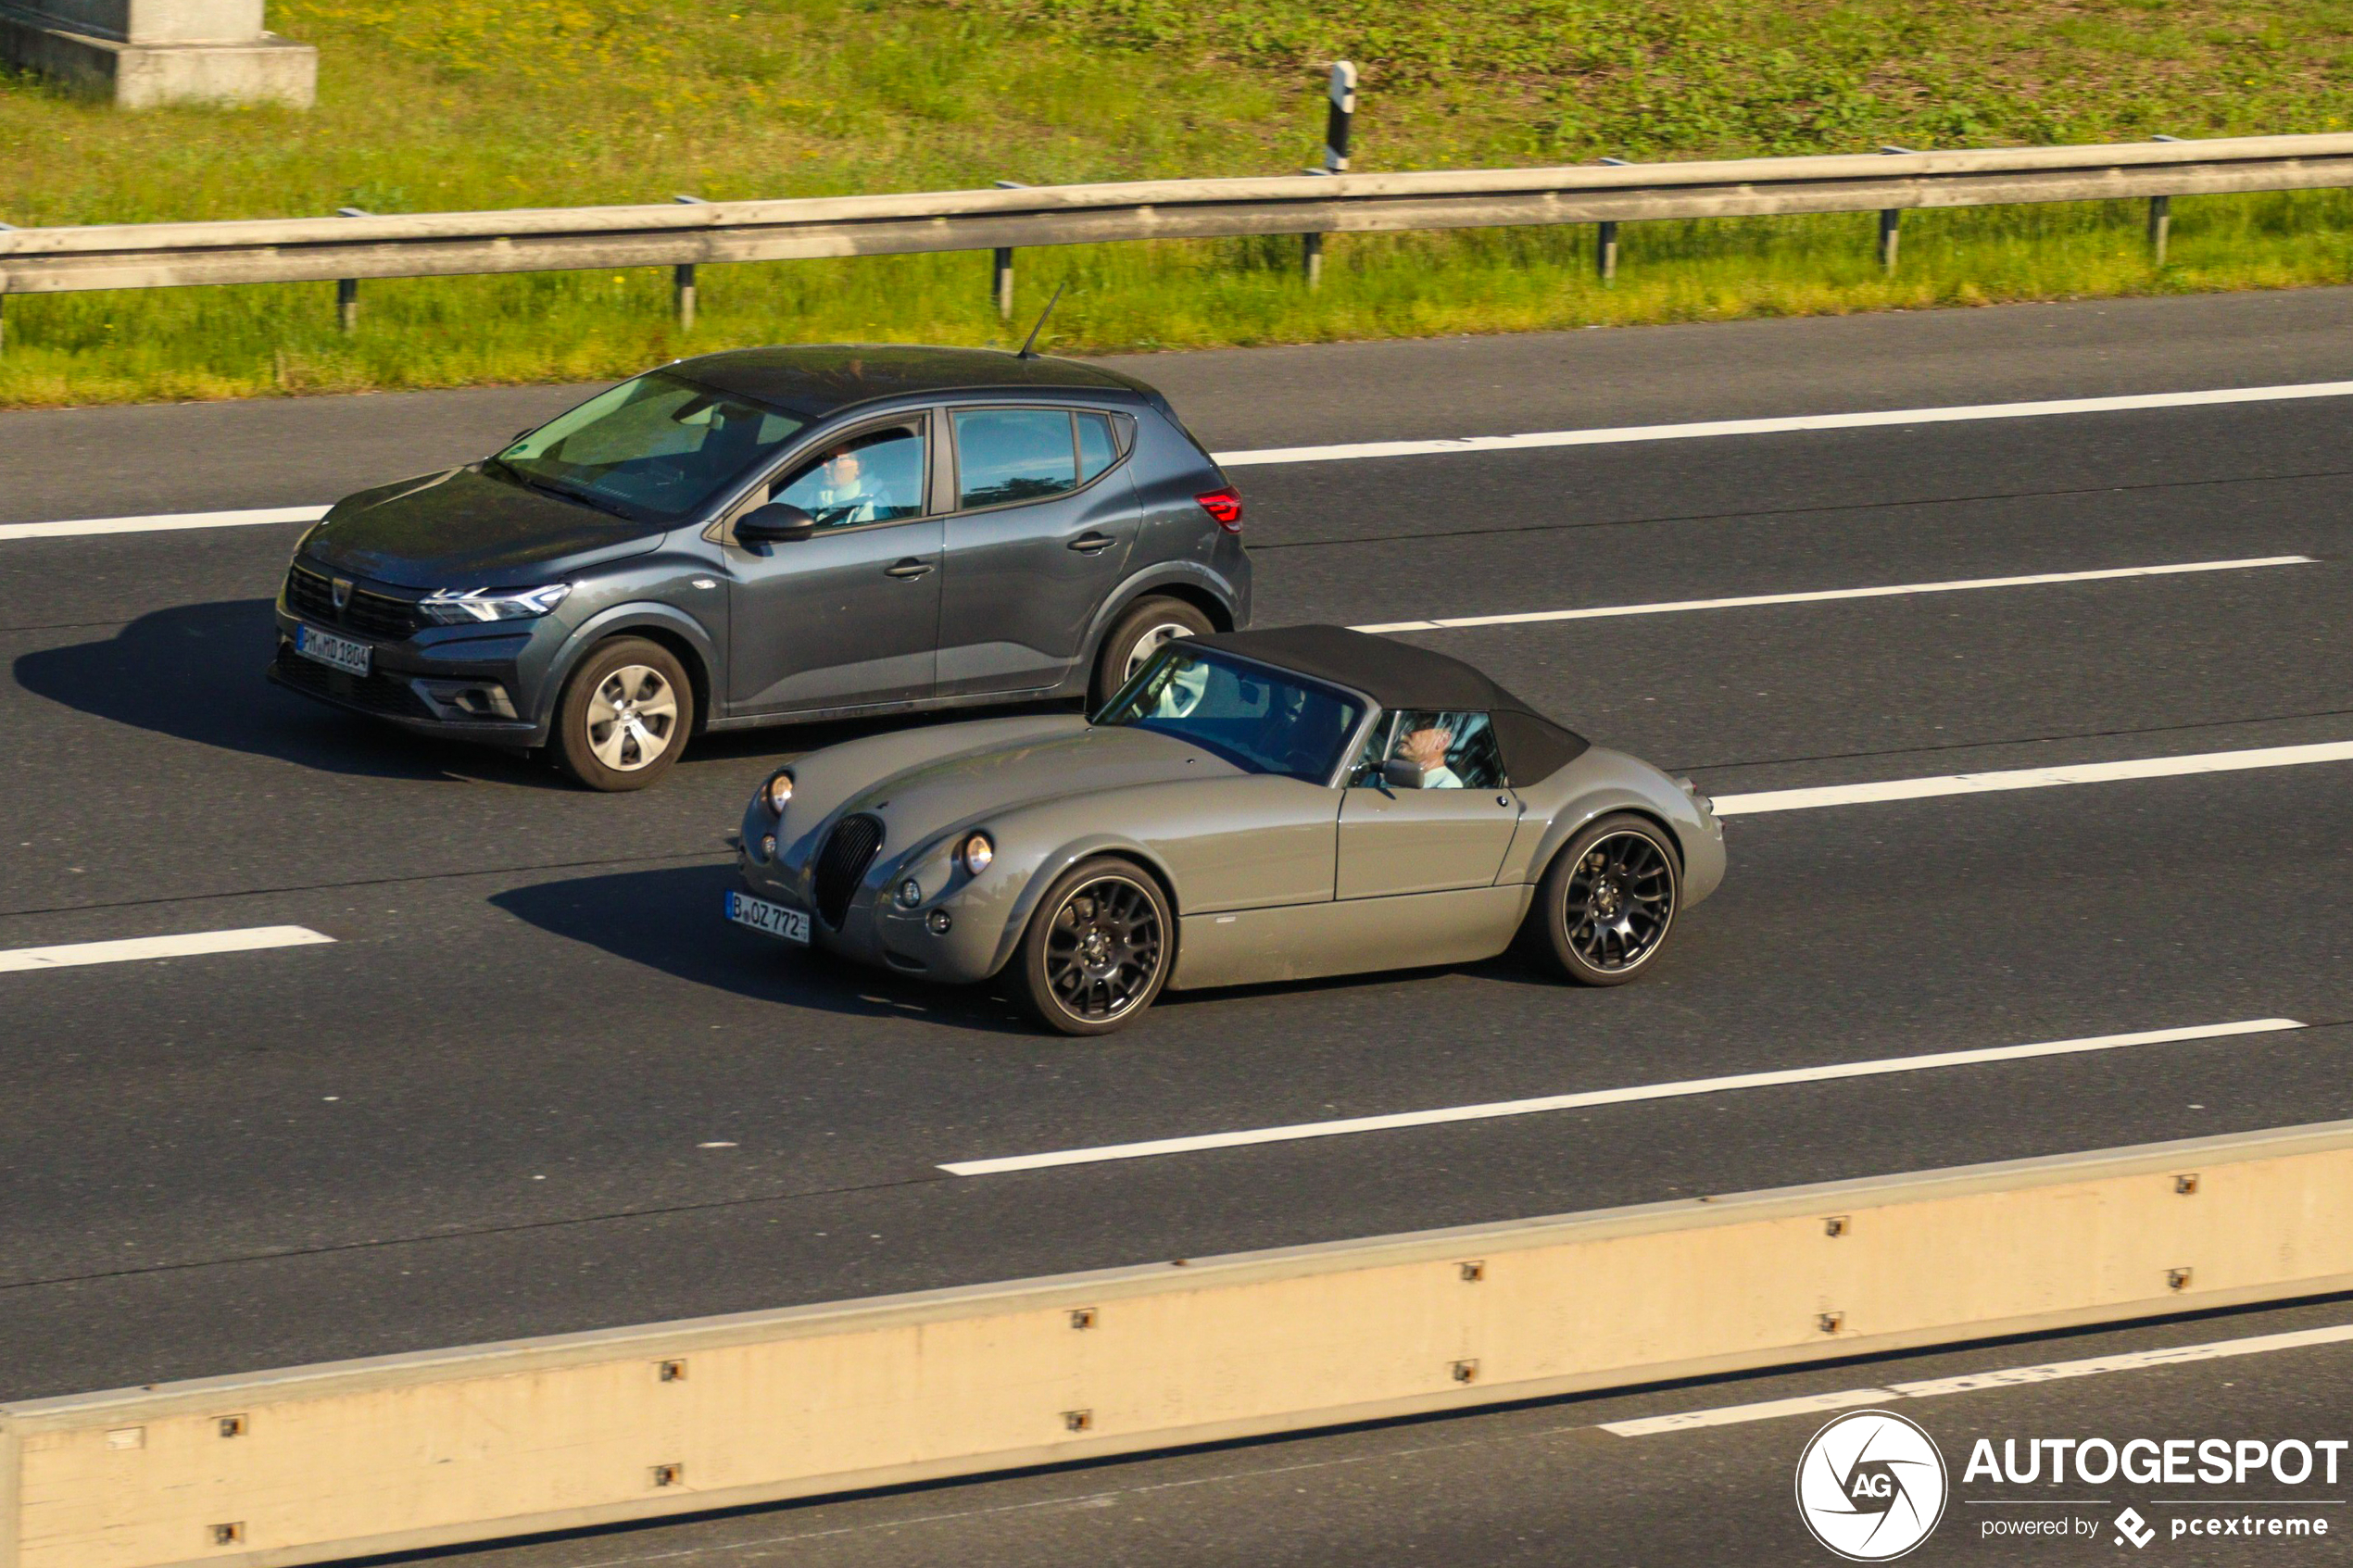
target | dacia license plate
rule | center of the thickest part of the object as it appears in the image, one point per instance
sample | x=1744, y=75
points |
x=770, y=920
x=336, y=653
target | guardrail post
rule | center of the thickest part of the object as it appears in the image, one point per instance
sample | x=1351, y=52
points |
x=4, y=228
x=1339, y=118
x=682, y=277
x=1000, y=270
x=347, y=289
x=2161, y=218
x=1605, y=240
x=1890, y=222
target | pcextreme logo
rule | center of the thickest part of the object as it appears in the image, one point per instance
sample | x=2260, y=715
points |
x=1871, y=1485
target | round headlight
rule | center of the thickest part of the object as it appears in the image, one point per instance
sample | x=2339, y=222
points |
x=911, y=893
x=776, y=794
x=975, y=853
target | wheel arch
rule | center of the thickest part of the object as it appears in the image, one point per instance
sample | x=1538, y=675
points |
x=680, y=634
x=1049, y=870
x=1176, y=579
x=1571, y=824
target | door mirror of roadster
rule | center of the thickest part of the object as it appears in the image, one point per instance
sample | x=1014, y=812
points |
x=1402, y=772
x=778, y=523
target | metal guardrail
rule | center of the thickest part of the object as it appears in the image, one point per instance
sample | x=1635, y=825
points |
x=145, y=256
x=412, y=1451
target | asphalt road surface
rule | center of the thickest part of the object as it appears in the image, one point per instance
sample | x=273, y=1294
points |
x=533, y=1084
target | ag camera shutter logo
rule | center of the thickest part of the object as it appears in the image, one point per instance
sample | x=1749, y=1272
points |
x=1871, y=1485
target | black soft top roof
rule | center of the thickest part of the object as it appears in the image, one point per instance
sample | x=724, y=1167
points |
x=1399, y=675
x=817, y=379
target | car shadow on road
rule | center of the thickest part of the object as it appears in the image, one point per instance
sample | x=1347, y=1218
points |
x=195, y=672
x=670, y=920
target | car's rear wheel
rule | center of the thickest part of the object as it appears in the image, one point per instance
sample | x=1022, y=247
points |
x=1607, y=901
x=1097, y=948
x=623, y=716
x=1146, y=626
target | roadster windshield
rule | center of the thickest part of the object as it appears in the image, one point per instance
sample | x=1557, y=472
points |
x=656, y=449
x=1253, y=716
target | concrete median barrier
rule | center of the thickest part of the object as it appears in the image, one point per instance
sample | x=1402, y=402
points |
x=312, y=1464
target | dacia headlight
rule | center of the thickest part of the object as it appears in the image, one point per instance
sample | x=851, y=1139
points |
x=449, y=607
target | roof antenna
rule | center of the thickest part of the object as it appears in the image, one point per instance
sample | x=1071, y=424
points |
x=1025, y=353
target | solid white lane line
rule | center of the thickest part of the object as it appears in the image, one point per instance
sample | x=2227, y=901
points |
x=161, y=522
x=1670, y=607
x=1345, y=451
x=1614, y=436
x=1820, y=596
x=2031, y=778
x=1970, y=1383
x=190, y=945
x=1613, y=1096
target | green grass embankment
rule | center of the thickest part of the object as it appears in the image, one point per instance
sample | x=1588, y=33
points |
x=469, y=104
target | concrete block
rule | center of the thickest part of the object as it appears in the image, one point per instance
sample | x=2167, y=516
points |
x=141, y=53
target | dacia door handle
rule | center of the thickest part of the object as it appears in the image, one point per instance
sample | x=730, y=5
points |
x=908, y=568
x=1088, y=544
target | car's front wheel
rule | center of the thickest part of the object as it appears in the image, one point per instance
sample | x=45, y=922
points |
x=1098, y=949
x=1609, y=901
x=1139, y=633
x=623, y=716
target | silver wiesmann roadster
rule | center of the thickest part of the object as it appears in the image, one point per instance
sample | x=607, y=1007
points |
x=1254, y=806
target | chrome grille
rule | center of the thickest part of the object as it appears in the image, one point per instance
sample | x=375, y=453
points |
x=842, y=864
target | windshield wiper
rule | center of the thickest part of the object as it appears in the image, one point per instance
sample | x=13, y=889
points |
x=563, y=491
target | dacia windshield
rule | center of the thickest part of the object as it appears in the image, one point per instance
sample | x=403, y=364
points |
x=656, y=449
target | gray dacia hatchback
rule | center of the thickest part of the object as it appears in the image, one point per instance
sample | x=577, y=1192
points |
x=769, y=536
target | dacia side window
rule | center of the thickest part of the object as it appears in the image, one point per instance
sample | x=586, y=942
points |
x=1009, y=454
x=1097, y=449
x=876, y=477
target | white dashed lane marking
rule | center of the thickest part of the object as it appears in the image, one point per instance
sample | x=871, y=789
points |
x=2031, y=778
x=1968, y=1382
x=1879, y=1067
x=190, y=945
x=1826, y=595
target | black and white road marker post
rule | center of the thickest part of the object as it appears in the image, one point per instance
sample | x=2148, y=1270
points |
x=2161, y=218
x=1337, y=120
x=1891, y=221
x=682, y=277
x=347, y=289
x=1001, y=281
x=1605, y=240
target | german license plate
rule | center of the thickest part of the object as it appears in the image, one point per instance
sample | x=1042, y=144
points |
x=336, y=653
x=769, y=919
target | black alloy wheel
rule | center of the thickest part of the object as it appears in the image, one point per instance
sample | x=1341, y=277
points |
x=1097, y=948
x=1608, y=900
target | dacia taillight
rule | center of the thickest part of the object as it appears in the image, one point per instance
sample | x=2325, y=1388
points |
x=1226, y=506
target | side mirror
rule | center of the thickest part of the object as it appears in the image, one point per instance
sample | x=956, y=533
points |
x=778, y=523
x=1402, y=772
